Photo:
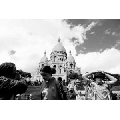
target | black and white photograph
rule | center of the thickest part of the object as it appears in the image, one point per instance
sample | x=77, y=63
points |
x=53, y=53
x=60, y=59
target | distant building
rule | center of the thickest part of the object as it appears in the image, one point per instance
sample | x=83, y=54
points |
x=59, y=60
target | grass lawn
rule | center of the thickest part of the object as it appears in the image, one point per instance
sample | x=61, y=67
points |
x=34, y=90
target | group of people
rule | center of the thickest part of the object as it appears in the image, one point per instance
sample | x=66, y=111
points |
x=93, y=86
x=96, y=86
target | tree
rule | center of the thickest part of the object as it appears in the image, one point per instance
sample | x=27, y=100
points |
x=8, y=69
x=20, y=73
x=73, y=76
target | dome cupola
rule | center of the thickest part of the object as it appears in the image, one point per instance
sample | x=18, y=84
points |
x=70, y=58
x=59, y=47
x=44, y=58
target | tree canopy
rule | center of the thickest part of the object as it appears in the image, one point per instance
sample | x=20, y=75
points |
x=73, y=76
x=23, y=74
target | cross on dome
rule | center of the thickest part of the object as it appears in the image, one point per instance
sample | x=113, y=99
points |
x=59, y=39
x=44, y=58
x=45, y=52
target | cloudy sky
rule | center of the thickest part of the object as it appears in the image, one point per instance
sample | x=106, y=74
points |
x=94, y=43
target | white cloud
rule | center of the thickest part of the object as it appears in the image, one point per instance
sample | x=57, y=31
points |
x=113, y=33
x=92, y=32
x=115, y=69
x=90, y=26
x=107, y=60
x=30, y=38
x=108, y=31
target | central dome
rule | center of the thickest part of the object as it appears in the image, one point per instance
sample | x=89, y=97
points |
x=59, y=47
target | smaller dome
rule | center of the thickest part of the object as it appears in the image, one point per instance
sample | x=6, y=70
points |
x=44, y=58
x=70, y=58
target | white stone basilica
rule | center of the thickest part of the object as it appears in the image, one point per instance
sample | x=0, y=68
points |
x=59, y=61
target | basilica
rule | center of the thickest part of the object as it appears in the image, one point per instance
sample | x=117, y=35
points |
x=60, y=61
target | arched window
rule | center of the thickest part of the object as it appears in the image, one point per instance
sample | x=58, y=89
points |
x=54, y=58
x=71, y=65
x=42, y=65
x=54, y=66
x=60, y=68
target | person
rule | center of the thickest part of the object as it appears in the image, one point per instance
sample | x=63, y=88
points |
x=77, y=86
x=99, y=87
x=71, y=91
x=80, y=95
x=61, y=89
x=49, y=88
x=70, y=87
x=64, y=83
x=79, y=90
x=9, y=86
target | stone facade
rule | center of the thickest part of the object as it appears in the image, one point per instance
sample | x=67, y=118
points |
x=59, y=61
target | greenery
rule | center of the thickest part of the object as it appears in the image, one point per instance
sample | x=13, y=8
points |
x=23, y=74
x=73, y=76
x=35, y=91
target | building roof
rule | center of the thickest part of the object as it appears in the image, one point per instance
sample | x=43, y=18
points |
x=59, y=47
x=44, y=58
x=70, y=58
